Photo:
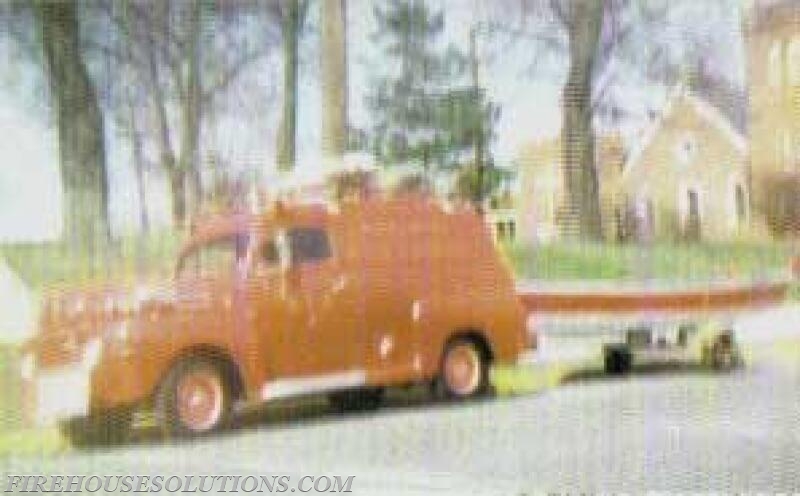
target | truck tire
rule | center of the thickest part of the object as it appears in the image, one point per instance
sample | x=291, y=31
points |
x=356, y=400
x=464, y=371
x=194, y=399
x=617, y=360
x=108, y=428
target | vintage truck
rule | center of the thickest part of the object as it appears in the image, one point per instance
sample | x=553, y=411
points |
x=343, y=299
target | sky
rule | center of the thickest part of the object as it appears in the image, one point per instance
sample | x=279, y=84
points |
x=30, y=192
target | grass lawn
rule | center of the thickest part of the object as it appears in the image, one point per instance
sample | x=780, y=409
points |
x=610, y=262
x=53, y=264
x=50, y=265
x=15, y=438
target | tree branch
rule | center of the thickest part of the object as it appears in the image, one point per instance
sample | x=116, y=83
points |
x=562, y=12
x=224, y=80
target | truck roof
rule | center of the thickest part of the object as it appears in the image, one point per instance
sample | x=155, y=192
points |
x=219, y=225
x=398, y=211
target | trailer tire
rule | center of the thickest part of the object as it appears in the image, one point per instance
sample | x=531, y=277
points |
x=617, y=360
x=724, y=357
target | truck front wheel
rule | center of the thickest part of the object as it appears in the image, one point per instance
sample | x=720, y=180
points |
x=194, y=399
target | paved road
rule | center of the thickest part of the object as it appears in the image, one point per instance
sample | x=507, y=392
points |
x=670, y=430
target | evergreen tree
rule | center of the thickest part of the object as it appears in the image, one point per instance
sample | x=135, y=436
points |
x=425, y=110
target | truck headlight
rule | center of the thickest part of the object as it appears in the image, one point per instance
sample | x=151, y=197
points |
x=76, y=306
x=117, y=338
x=27, y=366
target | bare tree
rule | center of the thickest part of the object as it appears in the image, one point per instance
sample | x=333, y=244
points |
x=580, y=213
x=138, y=166
x=187, y=56
x=292, y=15
x=79, y=121
x=192, y=104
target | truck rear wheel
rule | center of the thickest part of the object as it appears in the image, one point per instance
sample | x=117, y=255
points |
x=464, y=371
x=194, y=399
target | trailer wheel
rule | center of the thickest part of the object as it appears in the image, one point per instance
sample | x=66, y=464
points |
x=617, y=360
x=723, y=354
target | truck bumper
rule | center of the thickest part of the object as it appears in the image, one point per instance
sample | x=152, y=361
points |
x=59, y=394
x=70, y=390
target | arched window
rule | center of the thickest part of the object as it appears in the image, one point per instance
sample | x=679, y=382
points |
x=644, y=218
x=740, y=203
x=793, y=61
x=685, y=149
x=690, y=211
x=783, y=150
x=775, y=61
x=692, y=224
x=788, y=159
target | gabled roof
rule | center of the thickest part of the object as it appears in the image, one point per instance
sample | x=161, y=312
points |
x=704, y=109
x=729, y=98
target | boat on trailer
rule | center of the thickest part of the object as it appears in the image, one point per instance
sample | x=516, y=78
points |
x=651, y=320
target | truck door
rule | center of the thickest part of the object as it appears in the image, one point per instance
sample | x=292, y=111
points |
x=276, y=313
x=327, y=297
x=311, y=317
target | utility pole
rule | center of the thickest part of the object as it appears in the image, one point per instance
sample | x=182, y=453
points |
x=478, y=131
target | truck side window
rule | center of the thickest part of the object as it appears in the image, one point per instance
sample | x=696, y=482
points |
x=269, y=254
x=219, y=255
x=273, y=253
x=308, y=244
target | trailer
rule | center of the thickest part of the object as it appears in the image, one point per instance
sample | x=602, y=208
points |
x=639, y=322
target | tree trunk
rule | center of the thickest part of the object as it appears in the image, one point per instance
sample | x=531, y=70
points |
x=177, y=184
x=478, y=131
x=137, y=145
x=80, y=126
x=163, y=138
x=138, y=168
x=192, y=111
x=287, y=131
x=579, y=215
x=334, y=80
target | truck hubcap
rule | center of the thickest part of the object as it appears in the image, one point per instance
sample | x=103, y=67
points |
x=462, y=369
x=200, y=400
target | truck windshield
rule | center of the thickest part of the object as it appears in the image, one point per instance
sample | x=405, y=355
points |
x=220, y=256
